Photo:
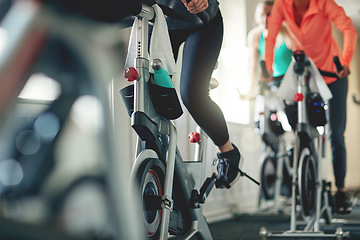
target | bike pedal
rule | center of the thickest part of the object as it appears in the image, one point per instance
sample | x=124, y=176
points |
x=199, y=198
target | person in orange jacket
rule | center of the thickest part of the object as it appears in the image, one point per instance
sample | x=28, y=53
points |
x=309, y=23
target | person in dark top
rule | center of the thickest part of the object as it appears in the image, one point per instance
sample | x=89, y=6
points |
x=201, y=50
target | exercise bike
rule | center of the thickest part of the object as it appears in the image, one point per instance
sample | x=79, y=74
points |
x=311, y=194
x=172, y=190
x=277, y=148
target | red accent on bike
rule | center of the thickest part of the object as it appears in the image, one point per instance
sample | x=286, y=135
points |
x=131, y=74
x=298, y=97
x=194, y=137
x=273, y=117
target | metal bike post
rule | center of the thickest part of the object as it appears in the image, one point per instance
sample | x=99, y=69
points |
x=301, y=119
x=141, y=61
x=168, y=184
x=278, y=181
x=293, y=187
x=319, y=181
x=142, y=65
x=200, y=146
x=302, y=115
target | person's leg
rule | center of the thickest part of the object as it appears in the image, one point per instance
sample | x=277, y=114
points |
x=337, y=124
x=201, y=51
x=177, y=37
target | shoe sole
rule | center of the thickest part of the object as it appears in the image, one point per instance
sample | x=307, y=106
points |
x=241, y=162
x=344, y=210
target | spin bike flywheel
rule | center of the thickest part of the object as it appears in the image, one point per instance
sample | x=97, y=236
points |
x=268, y=177
x=150, y=177
x=307, y=182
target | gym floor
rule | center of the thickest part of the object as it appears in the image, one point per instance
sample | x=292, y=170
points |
x=247, y=227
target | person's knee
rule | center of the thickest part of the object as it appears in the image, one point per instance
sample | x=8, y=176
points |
x=190, y=99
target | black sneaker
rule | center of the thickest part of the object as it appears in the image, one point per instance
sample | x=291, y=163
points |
x=343, y=203
x=228, y=164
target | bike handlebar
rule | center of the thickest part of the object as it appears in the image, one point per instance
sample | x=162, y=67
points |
x=111, y=11
x=263, y=69
x=204, y=16
x=338, y=65
x=267, y=85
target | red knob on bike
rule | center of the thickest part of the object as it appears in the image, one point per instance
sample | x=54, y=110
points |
x=273, y=117
x=194, y=137
x=298, y=97
x=131, y=74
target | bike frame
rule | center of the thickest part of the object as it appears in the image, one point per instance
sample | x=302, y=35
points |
x=270, y=95
x=304, y=128
x=145, y=117
x=316, y=145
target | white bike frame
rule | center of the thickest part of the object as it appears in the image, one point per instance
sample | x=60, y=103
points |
x=312, y=223
x=174, y=162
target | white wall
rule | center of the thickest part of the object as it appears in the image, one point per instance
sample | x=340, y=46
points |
x=352, y=132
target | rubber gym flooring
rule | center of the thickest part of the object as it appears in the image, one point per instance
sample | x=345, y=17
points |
x=247, y=227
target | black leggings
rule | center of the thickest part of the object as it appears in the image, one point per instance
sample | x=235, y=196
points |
x=337, y=123
x=201, y=51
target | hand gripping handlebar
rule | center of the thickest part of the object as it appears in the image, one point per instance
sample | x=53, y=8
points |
x=338, y=65
x=202, y=15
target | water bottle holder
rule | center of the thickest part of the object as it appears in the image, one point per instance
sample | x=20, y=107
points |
x=316, y=114
x=276, y=127
x=316, y=111
x=166, y=101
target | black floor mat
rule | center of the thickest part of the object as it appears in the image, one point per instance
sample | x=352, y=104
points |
x=247, y=227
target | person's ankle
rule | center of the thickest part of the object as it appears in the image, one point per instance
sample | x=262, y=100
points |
x=226, y=147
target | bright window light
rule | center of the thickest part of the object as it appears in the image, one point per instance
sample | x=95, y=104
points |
x=40, y=87
x=233, y=65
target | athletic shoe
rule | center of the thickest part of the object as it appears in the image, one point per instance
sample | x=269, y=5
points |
x=343, y=203
x=228, y=164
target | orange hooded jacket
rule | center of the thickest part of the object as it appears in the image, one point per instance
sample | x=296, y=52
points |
x=314, y=36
